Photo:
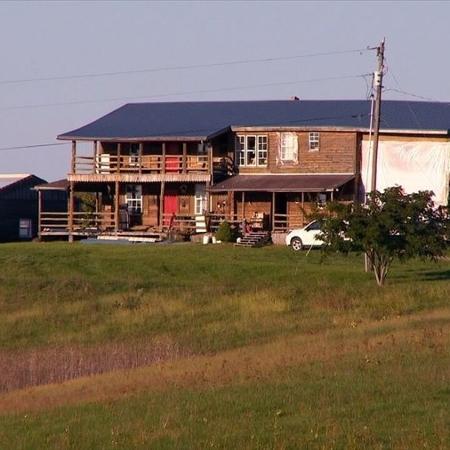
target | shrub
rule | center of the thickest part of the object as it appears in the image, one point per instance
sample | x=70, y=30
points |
x=224, y=233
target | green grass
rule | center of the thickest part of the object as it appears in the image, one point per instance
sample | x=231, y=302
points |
x=375, y=374
x=208, y=298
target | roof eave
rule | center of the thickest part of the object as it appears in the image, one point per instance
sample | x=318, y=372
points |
x=238, y=128
x=64, y=137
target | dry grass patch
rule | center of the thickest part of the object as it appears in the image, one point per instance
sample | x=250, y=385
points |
x=252, y=363
x=40, y=366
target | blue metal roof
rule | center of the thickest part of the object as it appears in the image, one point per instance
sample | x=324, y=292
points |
x=203, y=119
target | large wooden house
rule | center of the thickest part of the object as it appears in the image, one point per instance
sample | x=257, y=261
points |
x=155, y=166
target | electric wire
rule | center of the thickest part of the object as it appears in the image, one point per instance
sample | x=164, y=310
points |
x=357, y=115
x=186, y=67
x=181, y=93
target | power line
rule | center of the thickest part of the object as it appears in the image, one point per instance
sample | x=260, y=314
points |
x=186, y=67
x=410, y=94
x=355, y=115
x=22, y=147
x=173, y=94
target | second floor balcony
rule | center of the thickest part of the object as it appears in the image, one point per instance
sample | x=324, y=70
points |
x=107, y=164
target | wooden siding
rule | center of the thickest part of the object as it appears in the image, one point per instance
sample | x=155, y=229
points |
x=337, y=154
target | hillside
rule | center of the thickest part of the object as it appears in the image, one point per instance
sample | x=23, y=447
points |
x=181, y=346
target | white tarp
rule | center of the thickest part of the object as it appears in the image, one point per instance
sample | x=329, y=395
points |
x=414, y=165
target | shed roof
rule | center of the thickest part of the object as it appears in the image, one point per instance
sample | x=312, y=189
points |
x=7, y=179
x=200, y=120
x=58, y=185
x=282, y=183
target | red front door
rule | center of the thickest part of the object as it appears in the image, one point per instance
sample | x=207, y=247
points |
x=170, y=204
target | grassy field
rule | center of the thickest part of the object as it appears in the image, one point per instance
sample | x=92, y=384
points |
x=183, y=346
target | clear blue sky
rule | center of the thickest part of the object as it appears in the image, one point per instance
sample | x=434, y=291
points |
x=39, y=40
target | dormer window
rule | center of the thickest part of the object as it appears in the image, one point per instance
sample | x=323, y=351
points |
x=251, y=150
x=314, y=141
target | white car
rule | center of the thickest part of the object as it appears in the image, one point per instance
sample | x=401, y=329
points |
x=305, y=237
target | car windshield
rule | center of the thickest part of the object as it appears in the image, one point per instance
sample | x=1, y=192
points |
x=313, y=226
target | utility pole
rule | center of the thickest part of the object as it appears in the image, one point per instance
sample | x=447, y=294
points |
x=378, y=84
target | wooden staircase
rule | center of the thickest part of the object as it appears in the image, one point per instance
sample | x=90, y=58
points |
x=254, y=239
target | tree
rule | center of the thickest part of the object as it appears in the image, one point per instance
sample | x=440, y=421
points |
x=391, y=225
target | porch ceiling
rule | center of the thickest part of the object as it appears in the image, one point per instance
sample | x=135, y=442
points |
x=282, y=183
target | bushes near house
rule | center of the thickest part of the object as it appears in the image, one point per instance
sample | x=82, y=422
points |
x=225, y=232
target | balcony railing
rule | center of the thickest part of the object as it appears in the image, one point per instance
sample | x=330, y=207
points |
x=146, y=164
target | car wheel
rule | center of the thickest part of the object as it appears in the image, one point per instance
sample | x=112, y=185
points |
x=296, y=244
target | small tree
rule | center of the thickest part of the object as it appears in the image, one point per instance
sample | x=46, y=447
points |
x=224, y=233
x=391, y=225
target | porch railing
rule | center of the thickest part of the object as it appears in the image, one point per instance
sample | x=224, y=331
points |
x=84, y=222
x=146, y=164
x=284, y=222
x=95, y=223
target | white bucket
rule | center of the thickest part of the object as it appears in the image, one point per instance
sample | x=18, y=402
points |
x=214, y=240
x=206, y=239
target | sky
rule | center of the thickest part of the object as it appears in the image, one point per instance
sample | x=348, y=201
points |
x=63, y=40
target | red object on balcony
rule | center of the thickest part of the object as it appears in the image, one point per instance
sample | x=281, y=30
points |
x=172, y=164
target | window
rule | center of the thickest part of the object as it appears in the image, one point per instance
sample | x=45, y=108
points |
x=134, y=198
x=289, y=148
x=200, y=199
x=25, y=229
x=314, y=139
x=252, y=150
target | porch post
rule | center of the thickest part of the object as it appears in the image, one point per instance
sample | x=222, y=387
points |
x=116, y=206
x=119, y=150
x=332, y=195
x=39, y=213
x=163, y=162
x=273, y=210
x=208, y=197
x=210, y=161
x=74, y=156
x=303, y=208
x=243, y=204
x=141, y=150
x=161, y=205
x=71, y=199
x=184, y=157
x=230, y=199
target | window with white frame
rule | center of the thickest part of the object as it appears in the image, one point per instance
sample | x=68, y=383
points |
x=314, y=141
x=289, y=148
x=134, y=198
x=252, y=150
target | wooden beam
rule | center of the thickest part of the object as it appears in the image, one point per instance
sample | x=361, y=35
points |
x=119, y=151
x=208, y=198
x=273, y=211
x=161, y=205
x=163, y=162
x=184, y=157
x=141, y=151
x=71, y=208
x=94, y=151
x=39, y=213
x=74, y=155
x=210, y=163
x=116, y=206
